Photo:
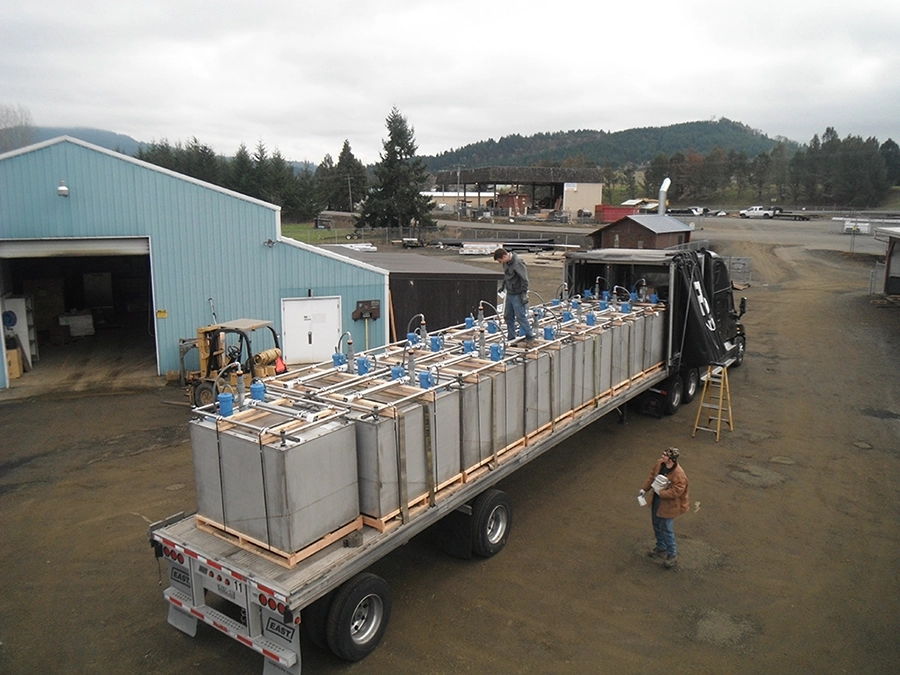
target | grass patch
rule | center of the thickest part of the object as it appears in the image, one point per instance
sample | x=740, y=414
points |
x=309, y=234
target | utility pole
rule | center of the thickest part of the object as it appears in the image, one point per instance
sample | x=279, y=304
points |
x=350, y=192
x=458, y=205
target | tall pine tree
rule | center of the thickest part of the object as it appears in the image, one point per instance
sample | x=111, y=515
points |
x=396, y=200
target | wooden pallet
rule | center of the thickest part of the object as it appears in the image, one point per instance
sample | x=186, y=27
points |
x=283, y=558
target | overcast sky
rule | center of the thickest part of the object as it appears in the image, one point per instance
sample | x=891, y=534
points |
x=303, y=76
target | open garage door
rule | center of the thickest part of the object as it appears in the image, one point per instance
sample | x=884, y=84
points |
x=87, y=306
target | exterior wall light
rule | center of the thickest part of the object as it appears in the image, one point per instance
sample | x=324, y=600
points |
x=63, y=189
x=268, y=243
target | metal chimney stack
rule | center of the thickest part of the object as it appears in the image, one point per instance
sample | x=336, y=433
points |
x=663, y=189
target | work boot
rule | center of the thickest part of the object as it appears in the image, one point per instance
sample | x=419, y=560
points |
x=670, y=562
x=656, y=553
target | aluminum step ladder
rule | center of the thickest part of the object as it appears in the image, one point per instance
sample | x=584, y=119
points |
x=715, y=401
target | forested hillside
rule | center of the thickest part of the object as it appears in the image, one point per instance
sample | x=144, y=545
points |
x=587, y=147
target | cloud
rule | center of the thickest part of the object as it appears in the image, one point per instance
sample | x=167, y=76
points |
x=303, y=77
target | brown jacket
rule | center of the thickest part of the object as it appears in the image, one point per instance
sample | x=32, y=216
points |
x=674, y=500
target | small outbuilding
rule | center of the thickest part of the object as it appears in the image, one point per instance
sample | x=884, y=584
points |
x=638, y=231
x=96, y=241
x=891, y=259
x=444, y=291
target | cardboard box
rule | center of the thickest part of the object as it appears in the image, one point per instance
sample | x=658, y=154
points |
x=14, y=364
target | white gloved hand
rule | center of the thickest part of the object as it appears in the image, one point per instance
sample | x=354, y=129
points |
x=641, y=493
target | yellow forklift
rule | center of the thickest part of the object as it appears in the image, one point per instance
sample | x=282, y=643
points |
x=226, y=352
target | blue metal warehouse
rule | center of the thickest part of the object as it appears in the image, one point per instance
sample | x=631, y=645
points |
x=84, y=230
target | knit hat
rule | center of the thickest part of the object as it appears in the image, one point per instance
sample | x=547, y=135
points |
x=673, y=454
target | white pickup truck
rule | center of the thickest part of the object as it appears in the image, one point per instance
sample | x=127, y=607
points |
x=759, y=212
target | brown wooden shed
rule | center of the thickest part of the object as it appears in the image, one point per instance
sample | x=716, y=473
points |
x=639, y=231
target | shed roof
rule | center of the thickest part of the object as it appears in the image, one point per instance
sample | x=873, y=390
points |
x=892, y=232
x=655, y=223
x=414, y=263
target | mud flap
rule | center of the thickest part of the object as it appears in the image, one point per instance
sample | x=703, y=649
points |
x=182, y=621
x=453, y=534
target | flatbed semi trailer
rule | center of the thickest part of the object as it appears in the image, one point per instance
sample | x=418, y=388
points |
x=325, y=469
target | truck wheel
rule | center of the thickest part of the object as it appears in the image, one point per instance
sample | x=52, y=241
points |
x=674, y=394
x=358, y=616
x=740, y=346
x=767, y=215
x=690, y=384
x=203, y=394
x=491, y=522
x=314, y=619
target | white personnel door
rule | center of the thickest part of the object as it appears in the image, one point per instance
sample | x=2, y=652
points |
x=311, y=328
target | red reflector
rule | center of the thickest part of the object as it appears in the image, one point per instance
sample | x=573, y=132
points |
x=297, y=620
x=262, y=599
x=281, y=608
x=219, y=578
x=272, y=604
x=228, y=582
x=181, y=559
x=167, y=551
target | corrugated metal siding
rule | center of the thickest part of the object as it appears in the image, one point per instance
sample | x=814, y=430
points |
x=204, y=242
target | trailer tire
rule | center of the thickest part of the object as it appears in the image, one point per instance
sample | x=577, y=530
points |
x=690, y=384
x=314, y=619
x=358, y=616
x=674, y=394
x=203, y=393
x=491, y=522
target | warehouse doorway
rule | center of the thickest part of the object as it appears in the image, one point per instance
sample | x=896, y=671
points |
x=87, y=304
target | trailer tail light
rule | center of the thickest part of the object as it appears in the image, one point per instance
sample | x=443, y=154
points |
x=173, y=554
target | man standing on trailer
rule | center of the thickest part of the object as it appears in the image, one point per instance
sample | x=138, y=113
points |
x=669, y=483
x=515, y=283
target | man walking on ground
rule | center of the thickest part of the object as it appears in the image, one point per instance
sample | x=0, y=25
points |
x=670, y=486
x=515, y=283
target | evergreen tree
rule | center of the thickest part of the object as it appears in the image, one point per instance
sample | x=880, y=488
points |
x=778, y=170
x=353, y=181
x=328, y=183
x=400, y=177
x=797, y=175
x=655, y=174
x=240, y=169
x=890, y=153
x=739, y=170
x=309, y=204
x=611, y=179
x=759, y=173
x=630, y=180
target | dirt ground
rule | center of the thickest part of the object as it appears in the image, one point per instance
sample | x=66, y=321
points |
x=788, y=558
